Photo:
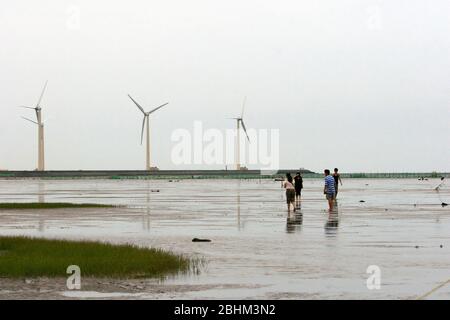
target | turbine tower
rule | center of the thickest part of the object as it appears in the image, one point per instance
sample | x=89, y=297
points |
x=146, y=125
x=40, y=124
x=240, y=121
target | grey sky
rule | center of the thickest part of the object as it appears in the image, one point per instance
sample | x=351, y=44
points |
x=362, y=85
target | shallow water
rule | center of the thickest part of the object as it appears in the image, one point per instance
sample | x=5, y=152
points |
x=257, y=250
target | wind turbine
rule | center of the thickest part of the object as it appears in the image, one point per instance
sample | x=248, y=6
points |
x=240, y=121
x=146, y=121
x=40, y=124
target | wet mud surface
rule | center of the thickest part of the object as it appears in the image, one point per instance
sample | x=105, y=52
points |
x=257, y=250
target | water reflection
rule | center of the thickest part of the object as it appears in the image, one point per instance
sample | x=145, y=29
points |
x=41, y=191
x=41, y=188
x=298, y=203
x=332, y=224
x=294, y=222
x=238, y=202
x=146, y=216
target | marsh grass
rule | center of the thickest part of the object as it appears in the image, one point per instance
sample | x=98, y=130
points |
x=32, y=257
x=50, y=205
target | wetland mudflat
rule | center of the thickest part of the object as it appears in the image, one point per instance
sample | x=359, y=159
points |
x=257, y=250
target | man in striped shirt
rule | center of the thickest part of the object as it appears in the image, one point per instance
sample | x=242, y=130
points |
x=329, y=189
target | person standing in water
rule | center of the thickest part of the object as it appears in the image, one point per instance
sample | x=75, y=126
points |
x=337, y=180
x=288, y=184
x=329, y=189
x=298, y=186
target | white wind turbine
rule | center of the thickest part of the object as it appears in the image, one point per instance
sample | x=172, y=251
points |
x=239, y=121
x=40, y=124
x=146, y=121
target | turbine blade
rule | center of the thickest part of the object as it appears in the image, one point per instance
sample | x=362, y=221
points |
x=42, y=93
x=137, y=104
x=26, y=107
x=243, y=107
x=30, y=120
x=143, y=126
x=158, y=108
x=245, y=129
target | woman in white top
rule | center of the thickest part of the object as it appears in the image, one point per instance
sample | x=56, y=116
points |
x=290, y=191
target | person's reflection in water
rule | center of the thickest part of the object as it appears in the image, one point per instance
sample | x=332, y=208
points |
x=294, y=222
x=332, y=224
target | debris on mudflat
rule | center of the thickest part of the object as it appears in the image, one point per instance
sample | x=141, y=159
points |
x=361, y=201
x=200, y=240
x=154, y=190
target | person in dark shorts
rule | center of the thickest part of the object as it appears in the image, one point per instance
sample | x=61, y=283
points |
x=298, y=179
x=337, y=180
x=288, y=184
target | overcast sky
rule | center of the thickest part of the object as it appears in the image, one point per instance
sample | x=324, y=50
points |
x=359, y=84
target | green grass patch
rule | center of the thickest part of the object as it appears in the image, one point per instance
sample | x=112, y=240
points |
x=6, y=174
x=32, y=257
x=51, y=205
